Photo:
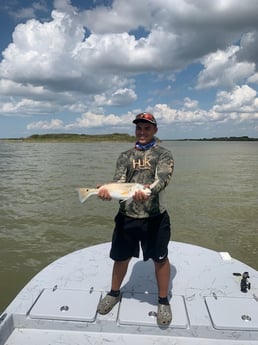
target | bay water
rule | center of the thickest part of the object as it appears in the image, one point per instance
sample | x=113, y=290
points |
x=212, y=201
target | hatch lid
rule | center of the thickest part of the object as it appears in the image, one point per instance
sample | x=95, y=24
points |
x=232, y=313
x=62, y=304
x=141, y=309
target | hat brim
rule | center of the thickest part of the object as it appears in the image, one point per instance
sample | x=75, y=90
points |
x=144, y=120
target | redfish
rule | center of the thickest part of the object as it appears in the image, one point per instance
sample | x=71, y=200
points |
x=119, y=191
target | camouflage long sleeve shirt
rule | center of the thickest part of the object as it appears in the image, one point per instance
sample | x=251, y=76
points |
x=145, y=167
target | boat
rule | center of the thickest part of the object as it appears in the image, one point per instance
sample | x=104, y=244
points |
x=214, y=300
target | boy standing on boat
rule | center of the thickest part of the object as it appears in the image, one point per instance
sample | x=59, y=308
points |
x=145, y=220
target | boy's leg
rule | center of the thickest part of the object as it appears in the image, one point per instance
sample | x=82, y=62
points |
x=111, y=299
x=119, y=272
x=162, y=271
x=164, y=314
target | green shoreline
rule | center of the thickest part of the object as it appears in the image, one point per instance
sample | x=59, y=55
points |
x=65, y=137
x=115, y=137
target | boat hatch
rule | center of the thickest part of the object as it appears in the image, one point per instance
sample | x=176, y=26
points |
x=141, y=309
x=231, y=313
x=60, y=304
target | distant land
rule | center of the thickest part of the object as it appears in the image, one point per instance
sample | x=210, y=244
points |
x=67, y=137
x=117, y=137
x=243, y=138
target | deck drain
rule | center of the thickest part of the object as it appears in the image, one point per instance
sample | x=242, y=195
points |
x=246, y=318
x=152, y=314
x=64, y=308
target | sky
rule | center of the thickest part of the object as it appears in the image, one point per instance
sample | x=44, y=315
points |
x=77, y=66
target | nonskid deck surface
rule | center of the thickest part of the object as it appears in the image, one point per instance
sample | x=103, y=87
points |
x=59, y=305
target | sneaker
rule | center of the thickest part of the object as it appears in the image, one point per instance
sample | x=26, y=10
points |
x=164, y=315
x=107, y=304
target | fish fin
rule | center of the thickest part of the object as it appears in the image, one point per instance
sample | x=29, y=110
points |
x=85, y=193
x=154, y=184
x=127, y=201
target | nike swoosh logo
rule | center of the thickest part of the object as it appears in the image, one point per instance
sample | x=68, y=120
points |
x=162, y=257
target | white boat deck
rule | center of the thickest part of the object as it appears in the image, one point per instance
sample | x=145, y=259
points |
x=58, y=306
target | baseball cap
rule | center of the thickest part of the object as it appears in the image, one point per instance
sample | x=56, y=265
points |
x=145, y=117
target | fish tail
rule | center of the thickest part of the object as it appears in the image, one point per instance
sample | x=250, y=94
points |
x=84, y=194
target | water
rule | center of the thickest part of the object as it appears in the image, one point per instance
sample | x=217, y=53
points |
x=212, y=201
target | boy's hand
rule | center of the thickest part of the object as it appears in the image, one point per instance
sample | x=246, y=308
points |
x=103, y=193
x=140, y=196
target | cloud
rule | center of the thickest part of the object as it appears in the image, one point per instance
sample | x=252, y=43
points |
x=241, y=102
x=122, y=97
x=253, y=78
x=249, y=48
x=46, y=125
x=166, y=115
x=221, y=69
x=190, y=104
x=87, y=62
x=58, y=55
x=87, y=120
x=20, y=13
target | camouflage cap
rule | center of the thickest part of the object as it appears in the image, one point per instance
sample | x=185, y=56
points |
x=145, y=117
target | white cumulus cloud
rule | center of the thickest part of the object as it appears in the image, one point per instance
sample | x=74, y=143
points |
x=91, y=63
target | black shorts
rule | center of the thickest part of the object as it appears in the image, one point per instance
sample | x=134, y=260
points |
x=152, y=233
